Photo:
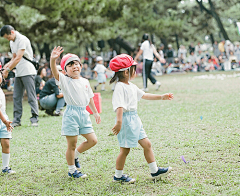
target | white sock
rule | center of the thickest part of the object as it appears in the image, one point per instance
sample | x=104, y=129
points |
x=153, y=167
x=5, y=160
x=103, y=86
x=76, y=153
x=118, y=173
x=97, y=84
x=71, y=169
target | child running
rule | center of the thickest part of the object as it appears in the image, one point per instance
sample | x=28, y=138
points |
x=5, y=133
x=100, y=70
x=76, y=121
x=128, y=127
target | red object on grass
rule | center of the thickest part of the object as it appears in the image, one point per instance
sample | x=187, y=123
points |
x=97, y=100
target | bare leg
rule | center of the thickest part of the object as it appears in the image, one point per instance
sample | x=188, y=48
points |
x=122, y=158
x=70, y=153
x=147, y=149
x=5, y=143
x=91, y=141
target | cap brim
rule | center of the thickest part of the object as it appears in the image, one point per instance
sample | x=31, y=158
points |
x=72, y=58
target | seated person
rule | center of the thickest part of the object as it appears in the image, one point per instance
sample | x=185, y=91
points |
x=156, y=67
x=233, y=60
x=39, y=82
x=51, y=97
x=86, y=71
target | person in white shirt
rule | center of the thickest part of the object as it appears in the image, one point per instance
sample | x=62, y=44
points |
x=100, y=70
x=128, y=127
x=148, y=49
x=76, y=121
x=24, y=75
x=5, y=133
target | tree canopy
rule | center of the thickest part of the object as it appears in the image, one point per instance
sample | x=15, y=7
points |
x=81, y=22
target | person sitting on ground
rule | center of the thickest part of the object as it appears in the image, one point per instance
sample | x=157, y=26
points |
x=39, y=82
x=156, y=67
x=51, y=97
x=86, y=71
x=233, y=60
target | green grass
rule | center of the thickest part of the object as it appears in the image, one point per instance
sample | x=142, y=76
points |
x=211, y=145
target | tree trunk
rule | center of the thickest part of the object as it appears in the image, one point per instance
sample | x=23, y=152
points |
x=47, y=51
x=212, y=38
x=214, y=14
x=176, y=35
x=220, y=25
x=165, y=43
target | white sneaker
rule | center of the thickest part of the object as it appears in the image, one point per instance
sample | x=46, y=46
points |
x=158, y=84
x=8, y=170
x=145, y=89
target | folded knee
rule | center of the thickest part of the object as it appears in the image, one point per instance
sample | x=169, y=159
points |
x=94, y=141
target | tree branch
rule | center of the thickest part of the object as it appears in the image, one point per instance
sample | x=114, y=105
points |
x=203, y=7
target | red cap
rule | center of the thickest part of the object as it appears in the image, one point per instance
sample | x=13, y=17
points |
x=121, y=62
x=67, y=58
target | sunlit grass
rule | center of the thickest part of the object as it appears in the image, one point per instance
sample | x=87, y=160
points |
x=175, y=128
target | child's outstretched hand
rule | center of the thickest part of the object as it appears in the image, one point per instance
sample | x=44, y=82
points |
x=167, y=96
x=97, y=117
x=8, y=125
x=116, y=129
x=56, y=52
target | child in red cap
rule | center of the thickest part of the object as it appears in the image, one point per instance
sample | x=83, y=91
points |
x=76, y=121
x=128, y=127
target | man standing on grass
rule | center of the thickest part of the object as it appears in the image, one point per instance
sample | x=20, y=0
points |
x=25, y=73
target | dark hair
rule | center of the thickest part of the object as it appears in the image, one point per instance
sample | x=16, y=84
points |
x=120, y=75
x=72, y=62
x=146, y=37
x=40, y=70
x=6, y=29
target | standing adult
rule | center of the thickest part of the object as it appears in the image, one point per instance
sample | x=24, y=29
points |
x=148, y=49
x=24, y=76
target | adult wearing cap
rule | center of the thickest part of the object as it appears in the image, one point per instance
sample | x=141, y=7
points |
x=24, y=75
x=148, y=49
x=51, y=98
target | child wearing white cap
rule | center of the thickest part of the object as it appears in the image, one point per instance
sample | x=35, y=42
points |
x=100, y=70
x=76, y=121
x=128, y=127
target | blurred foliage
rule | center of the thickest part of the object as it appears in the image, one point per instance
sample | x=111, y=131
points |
x=78, y=22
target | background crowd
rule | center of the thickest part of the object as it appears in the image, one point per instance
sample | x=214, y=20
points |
x=222, y=55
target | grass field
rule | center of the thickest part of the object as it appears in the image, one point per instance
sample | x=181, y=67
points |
x=175, y=128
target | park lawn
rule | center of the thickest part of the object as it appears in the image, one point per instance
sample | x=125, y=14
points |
x=201, y=124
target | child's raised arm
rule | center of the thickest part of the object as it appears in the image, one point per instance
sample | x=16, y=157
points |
x=54, y=55
x=149, y=96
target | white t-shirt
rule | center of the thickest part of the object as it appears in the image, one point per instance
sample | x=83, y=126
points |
x=99, y=68
x=126, y=96
x=147, y=50
x=2, y=101
x=24, y=67
x=76, y=92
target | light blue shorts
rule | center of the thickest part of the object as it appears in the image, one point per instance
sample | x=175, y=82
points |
x=76, y=121
x=101, y=78
x=3, y=129
x=132, y=130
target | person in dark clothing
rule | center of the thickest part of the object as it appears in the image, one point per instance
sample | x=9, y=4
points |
x=51, y=98
x=39, y=82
